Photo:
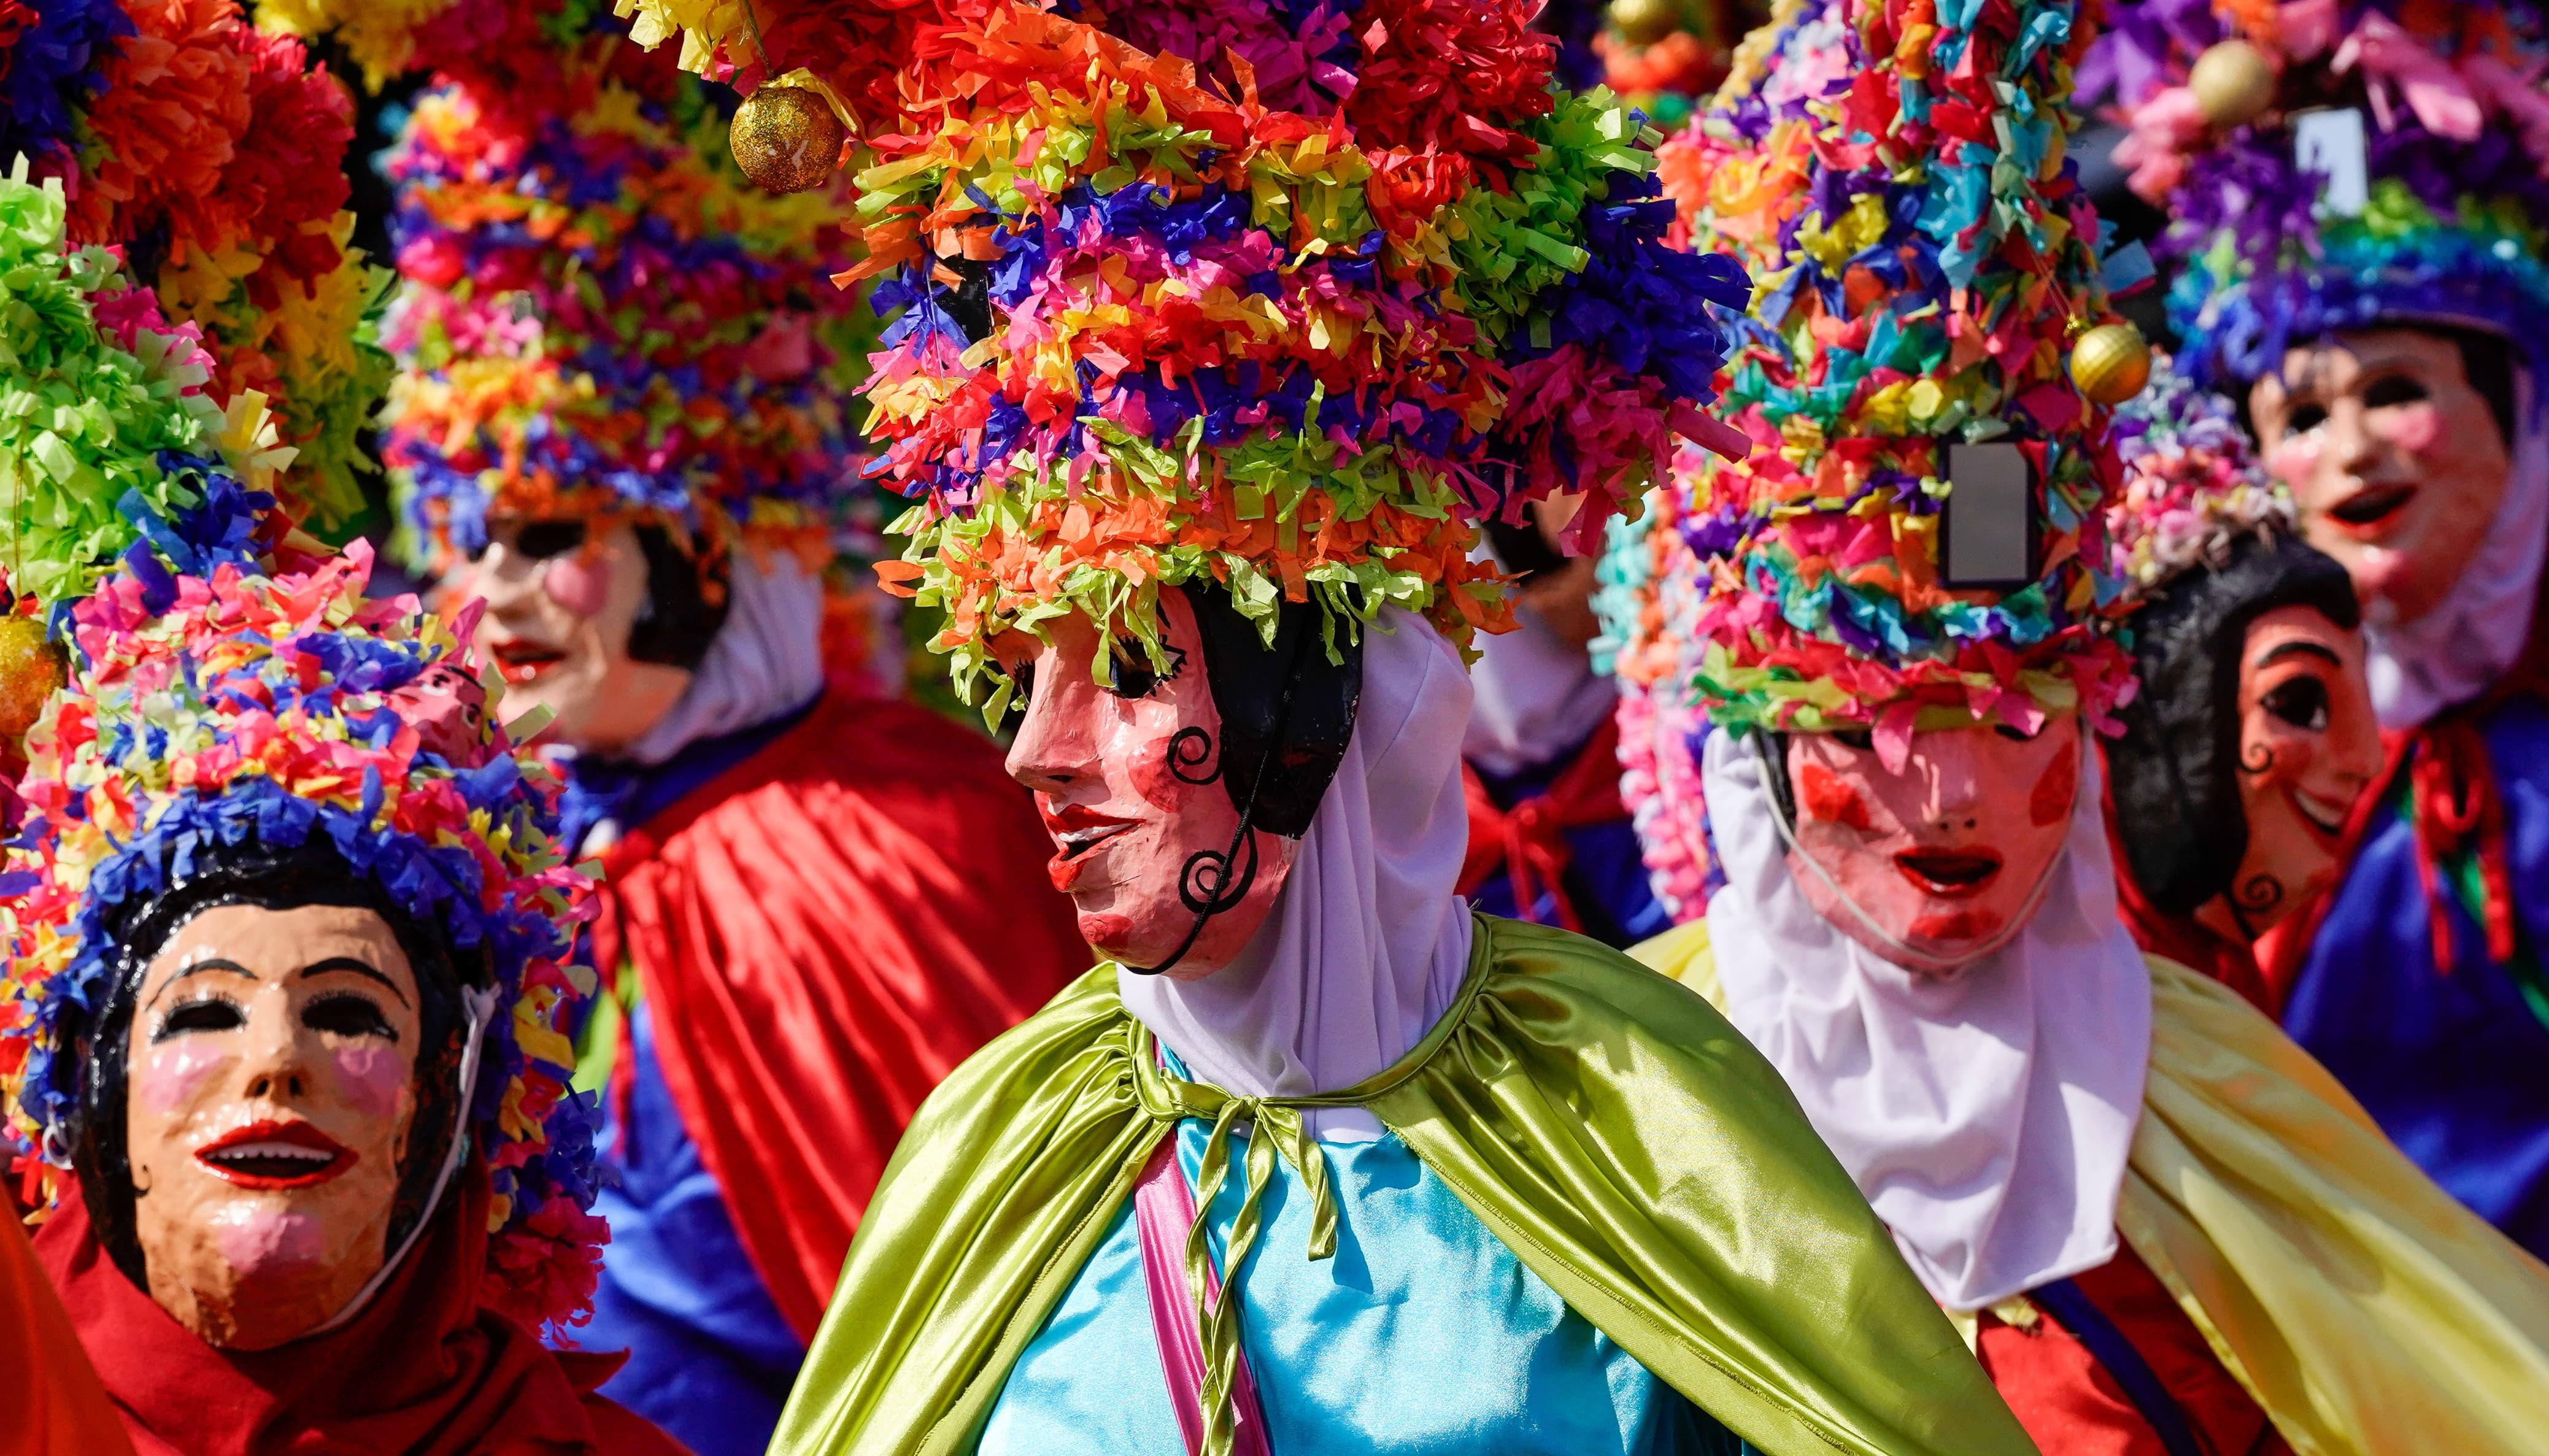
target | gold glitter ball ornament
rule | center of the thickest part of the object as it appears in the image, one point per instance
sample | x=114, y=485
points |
x=787, y=138
x=2233, y=83
x=2111, y=363
x=31, y=668
x=1644, y=21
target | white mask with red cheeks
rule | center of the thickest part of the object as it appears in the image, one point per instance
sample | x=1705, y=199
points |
x=2395, y=457
x=1941, y=863
x=270, y=1100
x=1122, y=762
x=563, y=599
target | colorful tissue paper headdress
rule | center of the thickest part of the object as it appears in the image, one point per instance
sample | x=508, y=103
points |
x=2193, y=488
x=113, y=444
x=213, y=156
x=2436, y=218
x=204, y=709
x=599, y=314
x=1895, y=175
x=1156, y=330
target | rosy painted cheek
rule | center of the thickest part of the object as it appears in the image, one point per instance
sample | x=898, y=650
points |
x=2051, y=803
x=172, y=1076
x=373, y=1078
x=1156, y=768
x=581, y=586
x=1829, y=797
x=2293, y=461
x=2415, y=429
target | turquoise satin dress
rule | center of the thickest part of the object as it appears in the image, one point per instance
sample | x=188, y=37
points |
x=1423, y=1335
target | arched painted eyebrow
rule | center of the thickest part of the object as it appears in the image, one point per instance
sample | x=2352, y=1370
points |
x=2283, y=650
x=353, y=966
x=209, y=962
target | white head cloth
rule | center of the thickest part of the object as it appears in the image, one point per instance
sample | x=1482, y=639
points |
x=767, y=660
x=2470, y=639
x=1538, y=699
x=1367, y=945
x=1986, y=1115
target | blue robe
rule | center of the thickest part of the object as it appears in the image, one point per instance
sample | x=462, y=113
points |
x=1423, y=1335
x=2454, y=1066
x=710, y=1359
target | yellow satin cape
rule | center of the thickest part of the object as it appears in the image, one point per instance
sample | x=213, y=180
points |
x=2367, y=1312
x=1606, y=1124
x=52, y=1402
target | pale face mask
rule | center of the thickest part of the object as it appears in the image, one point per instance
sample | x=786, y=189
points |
x=1942, y=864
x=271, y=1096
x=562, y=603
x=2309, y=745
x=1125, y=765
x=2393, y=456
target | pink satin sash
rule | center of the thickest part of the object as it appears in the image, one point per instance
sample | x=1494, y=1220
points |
x=1162, y=1213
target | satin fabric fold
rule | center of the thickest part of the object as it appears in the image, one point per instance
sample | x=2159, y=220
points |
x=2363, y=1308
x=1614, y=1131
x=816, y=934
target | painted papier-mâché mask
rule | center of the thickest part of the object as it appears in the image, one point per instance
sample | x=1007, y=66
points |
x=2394, y=443
x=600, y=622
x=1941, y=863
x=1177, y=786
x=2252, y=739
x=274, y=1097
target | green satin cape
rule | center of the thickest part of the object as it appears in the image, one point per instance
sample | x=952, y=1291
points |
x=1605, y=1123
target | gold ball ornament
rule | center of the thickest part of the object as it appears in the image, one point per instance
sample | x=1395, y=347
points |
x=1644, y=21
x=2234, y=83
x=2111, y=363
x=787, y=138
x=31, y=668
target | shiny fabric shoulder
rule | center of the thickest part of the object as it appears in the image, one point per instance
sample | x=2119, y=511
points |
x=2359, y=1305
x=1609, y=1128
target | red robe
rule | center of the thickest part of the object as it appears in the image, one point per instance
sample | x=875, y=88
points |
x=2074, y=1406
x=423, y=1371
x=822, y=933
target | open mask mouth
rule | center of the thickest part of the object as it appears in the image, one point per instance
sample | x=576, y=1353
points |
x=2324, y=815
x=1077, y=830
x=2371, y=509
x=270, y=1154
x=1949, y=874
x=520, y=659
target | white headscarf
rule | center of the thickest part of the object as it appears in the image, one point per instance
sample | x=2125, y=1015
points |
x=1366, y=943
x=1986, y=1115
x=1538, y=699
x=766, y=659
x=2471, y=638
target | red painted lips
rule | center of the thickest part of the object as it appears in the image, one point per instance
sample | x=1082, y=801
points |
x=270, y=1154
x=1949, y=874
x=520, y=659
x=1077, y=829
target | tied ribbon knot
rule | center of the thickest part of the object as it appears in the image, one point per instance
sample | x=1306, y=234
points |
x=1279, y=1131
x=1527, y=841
